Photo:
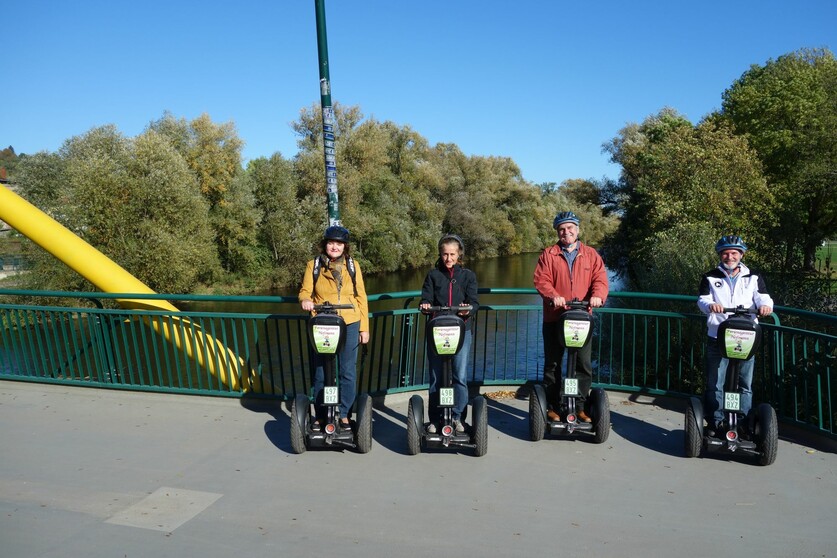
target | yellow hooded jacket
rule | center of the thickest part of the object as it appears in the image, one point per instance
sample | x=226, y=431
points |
x=326, y=291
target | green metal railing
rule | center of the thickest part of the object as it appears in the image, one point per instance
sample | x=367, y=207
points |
x=642, y=342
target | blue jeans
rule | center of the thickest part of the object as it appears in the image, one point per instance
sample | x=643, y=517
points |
x=716, y=375
x=347, y=368
x=460, y=381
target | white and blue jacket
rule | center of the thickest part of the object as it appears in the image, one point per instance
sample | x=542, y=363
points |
x=747, y=290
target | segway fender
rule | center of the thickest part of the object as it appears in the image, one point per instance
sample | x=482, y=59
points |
x=303, y=409
x=697, y=409
x=418, y=411
x=539, y=389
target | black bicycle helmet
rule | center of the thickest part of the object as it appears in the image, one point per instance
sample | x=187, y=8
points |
x=338, y=233
x=565, y=217
x=730, y=242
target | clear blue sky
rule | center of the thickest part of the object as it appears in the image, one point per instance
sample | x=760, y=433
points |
x=543, y=82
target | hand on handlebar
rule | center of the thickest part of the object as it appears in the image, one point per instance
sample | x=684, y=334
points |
x=307, y=305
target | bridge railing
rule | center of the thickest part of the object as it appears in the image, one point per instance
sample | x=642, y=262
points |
x=642, y=342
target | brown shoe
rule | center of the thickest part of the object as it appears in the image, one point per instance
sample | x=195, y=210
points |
x=582, y=416
x=553, y=416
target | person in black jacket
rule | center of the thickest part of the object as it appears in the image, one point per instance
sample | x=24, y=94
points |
x=450, y=284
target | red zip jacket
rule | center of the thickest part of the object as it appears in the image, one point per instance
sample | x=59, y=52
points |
x=552, y=277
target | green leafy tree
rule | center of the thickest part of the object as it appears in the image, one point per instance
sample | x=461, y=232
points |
x=41, y=176
x=288, y=224
x=392, y=218
x=674, y=174
x=787, y=110
x=133, y=199
x=213, y=153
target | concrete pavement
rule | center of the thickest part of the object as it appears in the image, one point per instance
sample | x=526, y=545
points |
x=101, y=473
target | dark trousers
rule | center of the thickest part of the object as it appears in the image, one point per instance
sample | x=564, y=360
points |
x=553, y=354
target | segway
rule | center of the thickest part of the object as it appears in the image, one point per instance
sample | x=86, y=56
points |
x=327, y=334
x=757, y=433
x=577, y=327
x=445, y=336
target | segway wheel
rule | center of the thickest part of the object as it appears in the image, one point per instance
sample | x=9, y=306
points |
x=415, y=419
x=300, y=417
x=537, y=422
x=600, y=407
x=694, y=431
x=480, y=410
x=364, y=423
x=767, y=434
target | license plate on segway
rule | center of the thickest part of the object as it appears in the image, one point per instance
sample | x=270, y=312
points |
x=732, y=401
x=571, y=387
x=446, y=397
x=330, y=395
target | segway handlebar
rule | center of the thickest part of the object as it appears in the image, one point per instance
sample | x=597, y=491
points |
x=329, y=308
x=446, y=309
x=575, y=304
x=740, y=311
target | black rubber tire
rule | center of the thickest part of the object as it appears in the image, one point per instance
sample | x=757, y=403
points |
x=479, y=409
x=693, y=439
x=600, y=406
x=767, y=434
x=415, y=416
x=298, y=431
x=364, y=423
x=537, y=422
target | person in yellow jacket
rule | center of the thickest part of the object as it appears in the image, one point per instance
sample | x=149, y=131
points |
x=333, y=276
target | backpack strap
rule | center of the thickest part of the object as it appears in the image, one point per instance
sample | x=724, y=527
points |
x=318, y=262
x=350, y=263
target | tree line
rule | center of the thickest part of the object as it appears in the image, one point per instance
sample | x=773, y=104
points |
x=177, y=207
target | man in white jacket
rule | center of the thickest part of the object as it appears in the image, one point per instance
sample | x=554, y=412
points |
x=729, y=285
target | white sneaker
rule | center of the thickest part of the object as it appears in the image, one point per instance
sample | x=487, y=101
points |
x=431, y=428
x=459, y=426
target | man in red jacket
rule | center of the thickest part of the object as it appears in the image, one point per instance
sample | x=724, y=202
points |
x=567, y=270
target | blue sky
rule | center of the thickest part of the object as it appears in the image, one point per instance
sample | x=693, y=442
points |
x=543, y=82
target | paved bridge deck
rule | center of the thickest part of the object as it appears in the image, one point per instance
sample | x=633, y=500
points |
x=93, y=473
